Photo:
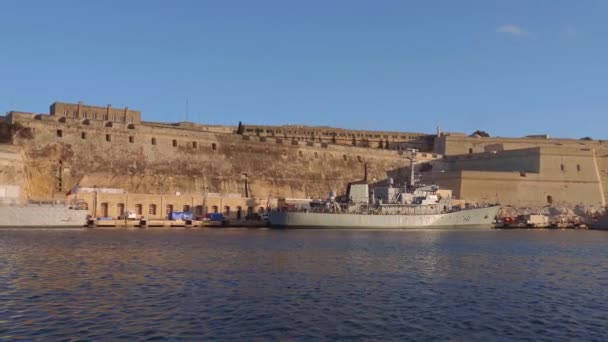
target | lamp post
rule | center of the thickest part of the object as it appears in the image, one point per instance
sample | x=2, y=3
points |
x=95, y=202
x=205, y=188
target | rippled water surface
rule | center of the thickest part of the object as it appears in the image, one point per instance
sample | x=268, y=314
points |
x=244, y=284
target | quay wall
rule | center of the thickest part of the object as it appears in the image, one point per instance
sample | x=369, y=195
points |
x=156, y=206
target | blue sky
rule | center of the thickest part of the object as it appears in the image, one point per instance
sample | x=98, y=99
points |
x=511, y=68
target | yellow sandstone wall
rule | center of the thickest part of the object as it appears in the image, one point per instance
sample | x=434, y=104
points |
x=529, y=177
x=161, y=159
x=52, y=153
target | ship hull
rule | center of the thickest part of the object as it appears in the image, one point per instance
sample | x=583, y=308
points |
x=601, y=223
x=32, y=216
x=470, y=218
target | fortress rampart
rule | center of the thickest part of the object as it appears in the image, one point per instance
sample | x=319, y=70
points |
x=534, y=177
x=455, y=144
x=81, y=111
x=48, y=154
x=60, y=152
x=371, y=139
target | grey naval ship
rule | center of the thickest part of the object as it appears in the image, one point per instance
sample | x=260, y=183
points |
x=366, y=206
x=600, y=222
x=51, y=213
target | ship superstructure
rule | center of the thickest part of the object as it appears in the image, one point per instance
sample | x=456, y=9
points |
x=365, y=205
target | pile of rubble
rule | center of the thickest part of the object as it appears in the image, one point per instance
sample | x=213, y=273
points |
x=554, y=216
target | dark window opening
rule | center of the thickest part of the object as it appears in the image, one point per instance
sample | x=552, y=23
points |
x=108, y=137
x=578, y=167
x=153, y=141
x=562, y=167
x=131, y=139
x=470, y=151
x=174, y=143
x=194, y=144
x=104, y=209
x=214, y=146
x=120, y=209
x=59, y=133
x=550, y=199
x=83, y=135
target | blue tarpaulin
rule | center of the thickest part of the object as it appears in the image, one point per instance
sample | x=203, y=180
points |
x=216, y=217
x=180, y=215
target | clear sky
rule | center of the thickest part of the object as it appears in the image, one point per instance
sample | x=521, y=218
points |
x=511, y=68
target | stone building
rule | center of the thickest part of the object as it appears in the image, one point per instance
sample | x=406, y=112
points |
x=530, y=177
x=458, y=143
x=108, y=114
x=369, y=139
x=157, y=206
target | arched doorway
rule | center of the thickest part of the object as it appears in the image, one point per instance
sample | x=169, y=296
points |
x=120, y=209
x=104, y=209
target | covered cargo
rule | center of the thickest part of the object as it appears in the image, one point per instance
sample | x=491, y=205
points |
x=216, y=217
x=180, y=216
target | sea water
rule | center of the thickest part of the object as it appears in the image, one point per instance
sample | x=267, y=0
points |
x=264, y=284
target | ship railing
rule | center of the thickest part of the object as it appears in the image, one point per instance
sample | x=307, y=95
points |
x=47, y=202
x=375, y=211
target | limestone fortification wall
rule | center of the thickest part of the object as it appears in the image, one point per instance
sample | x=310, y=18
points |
x=373, y=139
x=48, y=154
x=461, y=144
x=12, y=168
x=532, y=177
x=164, y=159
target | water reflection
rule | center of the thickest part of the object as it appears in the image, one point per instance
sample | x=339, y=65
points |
x=301, y=284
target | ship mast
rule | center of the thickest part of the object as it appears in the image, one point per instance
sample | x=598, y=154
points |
x=412, y=159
